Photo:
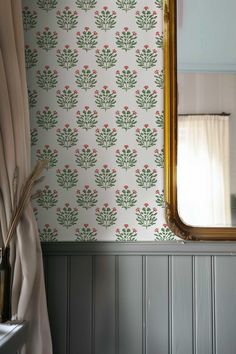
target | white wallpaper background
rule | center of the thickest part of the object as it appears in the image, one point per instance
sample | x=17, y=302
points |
x=95, y=80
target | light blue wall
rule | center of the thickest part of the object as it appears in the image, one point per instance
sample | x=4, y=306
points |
x=207, y=35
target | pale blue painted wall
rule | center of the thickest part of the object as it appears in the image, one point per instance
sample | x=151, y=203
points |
x=207, y=35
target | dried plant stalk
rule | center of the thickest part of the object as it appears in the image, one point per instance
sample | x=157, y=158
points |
x=24, y=199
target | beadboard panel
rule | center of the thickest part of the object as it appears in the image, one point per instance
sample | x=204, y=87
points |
x=110, y=300
x=130, y=325
x=80, y=312
x=104, y=298
x=225, y=304
x=57, y=297
x=181, y=304
x=157, y=304
x=203, y=314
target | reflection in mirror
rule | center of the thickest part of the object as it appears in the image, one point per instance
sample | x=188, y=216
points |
x=206, y=151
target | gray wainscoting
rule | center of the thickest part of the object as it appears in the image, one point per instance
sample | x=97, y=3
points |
x=141, y=298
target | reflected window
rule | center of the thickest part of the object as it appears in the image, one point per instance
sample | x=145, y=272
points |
x=203, y=173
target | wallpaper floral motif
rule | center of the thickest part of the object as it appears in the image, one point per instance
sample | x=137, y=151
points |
x=95, y=81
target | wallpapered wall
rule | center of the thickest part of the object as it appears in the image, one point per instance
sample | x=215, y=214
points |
x=95, y=80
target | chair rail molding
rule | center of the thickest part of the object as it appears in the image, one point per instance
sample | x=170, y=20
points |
x=140, y=248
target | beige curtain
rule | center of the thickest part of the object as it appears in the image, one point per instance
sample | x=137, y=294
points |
x=203, y=170
x=28, y=293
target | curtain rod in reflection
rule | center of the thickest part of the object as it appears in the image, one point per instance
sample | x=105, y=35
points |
x=223, y=114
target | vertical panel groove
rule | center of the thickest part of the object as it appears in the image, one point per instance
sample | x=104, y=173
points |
x=116, y=304
x=130, y=305
x=213, y=304
x=170, y=303
x=104, y=305
x=194, y=304
x=68, y=306
x=144, y=304
x=93, y=306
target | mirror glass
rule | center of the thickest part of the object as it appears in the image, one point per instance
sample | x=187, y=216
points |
x=206, y=123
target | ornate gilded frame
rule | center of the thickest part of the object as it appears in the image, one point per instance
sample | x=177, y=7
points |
x=173, y=219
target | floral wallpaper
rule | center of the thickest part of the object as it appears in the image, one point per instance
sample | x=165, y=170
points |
x=95, y=86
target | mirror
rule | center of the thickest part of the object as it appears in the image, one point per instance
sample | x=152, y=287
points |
x=200, y=118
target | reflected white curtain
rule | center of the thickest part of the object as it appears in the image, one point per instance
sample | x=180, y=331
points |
x=203, y=170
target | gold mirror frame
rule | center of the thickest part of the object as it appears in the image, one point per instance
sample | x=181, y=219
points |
x=173, y=219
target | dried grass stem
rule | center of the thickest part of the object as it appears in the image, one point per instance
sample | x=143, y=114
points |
x=24, y=199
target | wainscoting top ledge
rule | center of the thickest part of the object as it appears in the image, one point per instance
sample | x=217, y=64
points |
x=139, y=248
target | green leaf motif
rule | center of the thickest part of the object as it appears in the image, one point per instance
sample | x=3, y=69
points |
x=86, y=5
x=47, y=79
x=87, y=198
x=159, y=40
x=126, y=79
x=160, y=200
x=67, y=58
x=159, y=78
x=146, y=20
x=86, y=158
x=35, y=211
x=146, y=216
x=106, y=216
x=105, y=20
x=47, y=40
x=67, y=19
x=31, y=57
x=106, y=58
x=105, y=99
x=86, y=78
x=47, y=119
x=87, y=40
x=106, y=177
x=29, y=19
x=126, y=40
x=67, y=216
x=32, y=98
x=47, y=234
x=126, y=198
x=34, y=136
x=67, y=99
x=47, y=198
x=146, y=58
x=159, y=158
x=164, y=234
x=146, y=137
x=87, y=119
x=126, y=234
x=126, y=158
x=67, y=178
x=146, y=99
x=48, y=154
x=160, y=119
x=126, y=119
x=159, y=4
x=47, y=5
x=146, y=178
x=86, y=234
x=126, y=5
x=67, y=137
x=106, y=137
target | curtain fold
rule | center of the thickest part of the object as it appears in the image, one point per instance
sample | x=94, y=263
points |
x=28, y=291
x=203, y=170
